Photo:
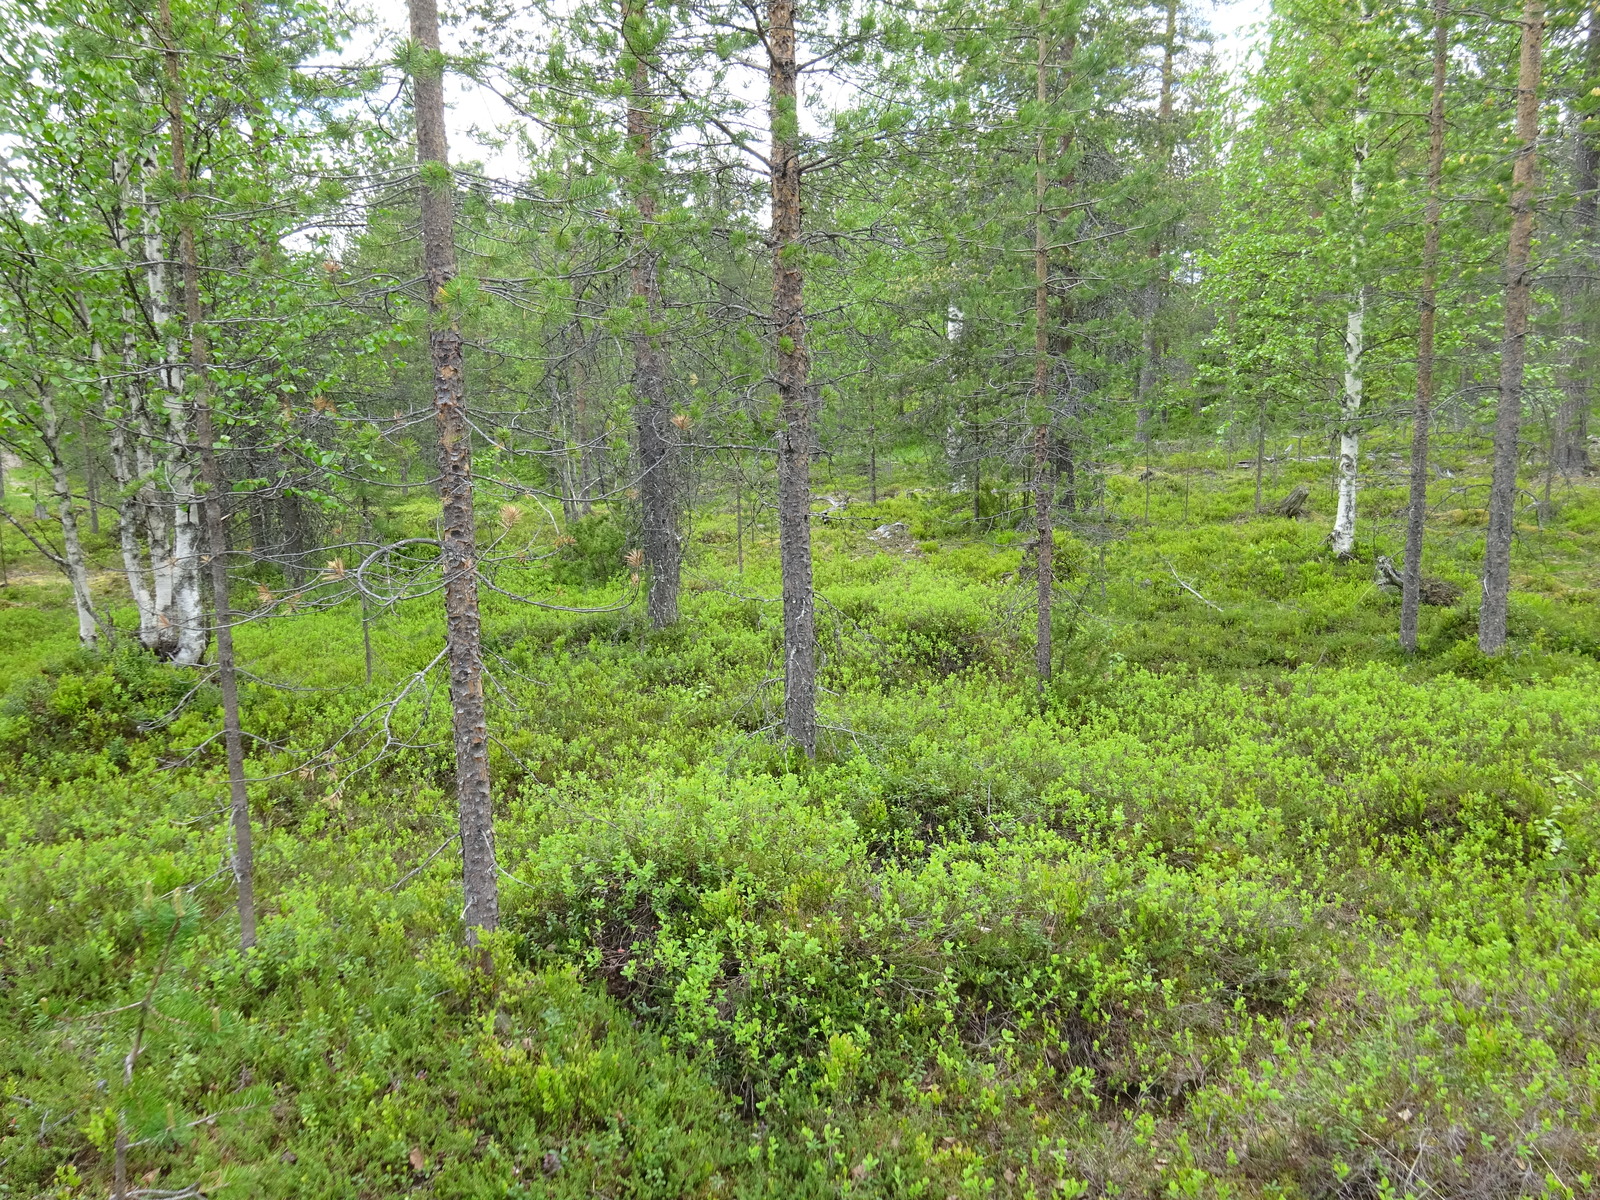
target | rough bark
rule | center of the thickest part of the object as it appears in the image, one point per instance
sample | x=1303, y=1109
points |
x=794, y=385
x=1062, y=456
x=1513, y=345
x=1570, y=452
x=1150, y=300
x=1295, y=505
x=658, y=468
x=294, y=528
x=1044, y=533
x=458, y=534
x=1261, y=444
x=1145, y=383
x=1569, y=448
x=1043, y=489
x=1417, y=512
x=1066, y=471
x=577, y=465
x=199, y=388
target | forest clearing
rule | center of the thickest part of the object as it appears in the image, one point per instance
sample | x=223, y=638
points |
x=947, y=601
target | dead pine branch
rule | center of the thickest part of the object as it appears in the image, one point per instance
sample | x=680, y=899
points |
x=1188, y=587
x=119, y=1170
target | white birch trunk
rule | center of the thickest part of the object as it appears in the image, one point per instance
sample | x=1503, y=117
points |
x=131, y=462
x=67, y=513
x=1343, y=538
x=188, y=608
x=173, y=519
x=131, y=488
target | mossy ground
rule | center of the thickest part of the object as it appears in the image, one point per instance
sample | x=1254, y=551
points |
x=1255, y=906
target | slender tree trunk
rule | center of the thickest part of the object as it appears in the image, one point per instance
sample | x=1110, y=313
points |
x=294, y=546
x=1417, y=512
x=794, y=386
x=1067, y=470
x=659, y=499
x=171, y=509
x=128, y=455
x=158, y=509
x=1261, y=442
x=212, y=502
x=1571, y=452
x=1347, y=461
x=1348, y=456
x=174, y=560
x=1542, y=509
x=458, y=534
x=570, y=465
x=1145, y=382
x=1061, y=451
x=1150, y=344
x=580, y=401
x=1513, y=346
x=1045, y=534
x=872, y=449
x=366, y=633
x=91, y=482
x=1043, y=489
x=77, y=570
x=738, y=517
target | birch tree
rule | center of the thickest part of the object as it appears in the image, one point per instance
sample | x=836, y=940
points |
x=1342, y=539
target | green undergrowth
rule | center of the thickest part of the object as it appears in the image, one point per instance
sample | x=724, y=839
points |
x=1252, y=907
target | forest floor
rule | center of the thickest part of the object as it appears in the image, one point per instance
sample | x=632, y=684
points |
x=1255, y=906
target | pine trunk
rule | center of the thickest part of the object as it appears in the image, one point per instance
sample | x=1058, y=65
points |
x=1150, y=301
x=458, y=534
x=1513, y=346
x=1416, y=514
x=1043, y=487
x=794, y=386
x=1570, y=452
x=658, y=476
x=1145, y=381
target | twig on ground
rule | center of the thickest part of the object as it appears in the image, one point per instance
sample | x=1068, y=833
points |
x=1188, y=587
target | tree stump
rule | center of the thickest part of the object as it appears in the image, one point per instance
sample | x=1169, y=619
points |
x=1440, y=593
x=1295, y=505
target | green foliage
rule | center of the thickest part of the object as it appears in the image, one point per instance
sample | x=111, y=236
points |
x=92, y=704
x=592, y=551
x=1253, y=905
